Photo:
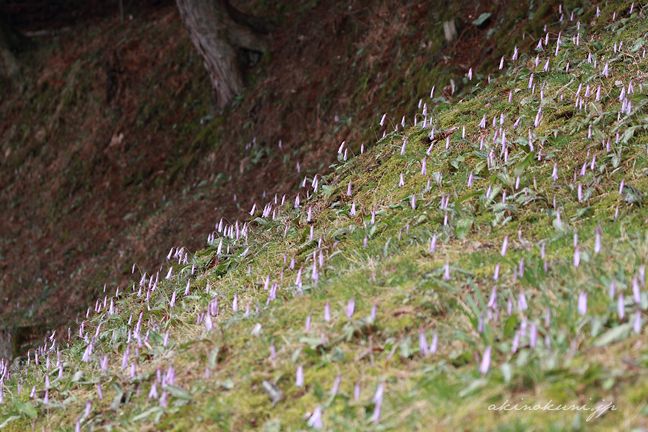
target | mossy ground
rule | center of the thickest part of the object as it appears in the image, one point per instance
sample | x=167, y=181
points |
x=381, y=257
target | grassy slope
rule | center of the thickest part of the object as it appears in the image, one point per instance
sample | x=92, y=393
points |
x=586, y=358
x=335, y=66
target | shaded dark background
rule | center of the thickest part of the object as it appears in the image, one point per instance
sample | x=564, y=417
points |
x=37, y=15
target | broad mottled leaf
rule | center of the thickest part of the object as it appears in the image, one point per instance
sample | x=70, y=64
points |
x=613, y=335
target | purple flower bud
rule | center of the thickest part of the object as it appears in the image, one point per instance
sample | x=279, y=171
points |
x=496, y=272
x=486, y=360
x=350, y=308
x=373, y=312
x=125, y=357
x=493, y=298
x=327, y=312
x=298, y=280
x=516, y=343
x=533, y=334
x=582, y=303
x=636, y=325
x=446, y=271
x=315, y=420
x=299, y=379
x=356, y=391
x=315, y=273
x=433, y=243
x=597, y=239
x=336, y=385
x=576, y=257
x=153, y=394
x=423, y=347
x=353, y=209
x=612, y=290
x=504, y=246
x=172, y=302
x=636, y=291
x=522, y=303
x=378, y=396
x=213, y=307
x=621, y=306
x=435, y=343
x=209, y=325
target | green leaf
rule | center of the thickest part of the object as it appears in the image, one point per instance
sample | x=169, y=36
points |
x=523, y=165
x=470, y=195
x=481, y=19
x=463, y=227
x=506, y=180
x=510, y=326
x=628, y=134
x=76, y=377
x=273, y=391
x=615, y=334
x=338, y=355
x=295, y=355
x=386, y=248
x=119, y=393
x=632, y=195
x=213, y=356
x=339, y=233
x=507, y=371
x=178, y=392
x=406, y=347
x=637, y=45
x=260, y=221
x=313, y=342
x=9, y=420
x=584, y=212
x=228, y=384
x=147, y=413
x=473, y=387
x=26, y=408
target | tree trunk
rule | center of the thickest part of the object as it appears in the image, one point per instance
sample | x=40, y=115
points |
x=220, y=33
x=12, y=42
